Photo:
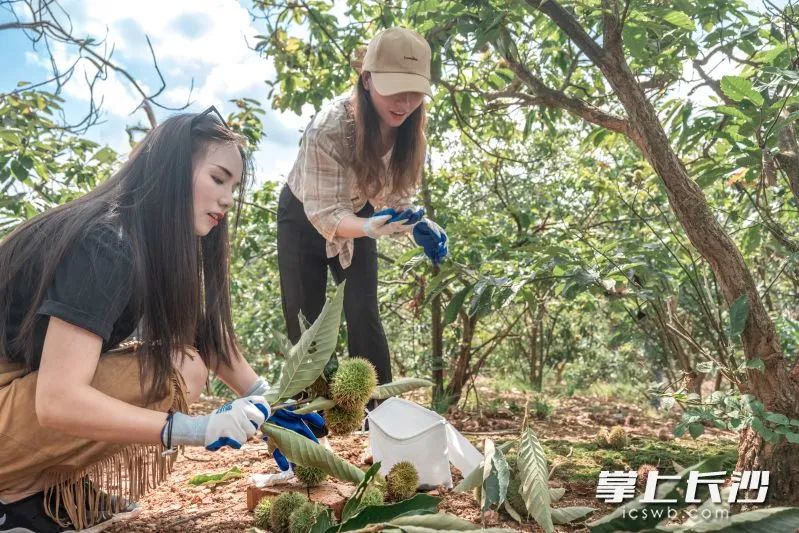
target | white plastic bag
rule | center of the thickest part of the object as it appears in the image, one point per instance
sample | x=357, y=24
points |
x=400, y=430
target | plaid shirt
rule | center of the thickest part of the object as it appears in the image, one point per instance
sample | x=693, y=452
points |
x=325, y=183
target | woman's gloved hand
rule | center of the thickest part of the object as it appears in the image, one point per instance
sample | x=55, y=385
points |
x=432, y=238
x=302, y=424
x=408, y=216
x=230, y=425
x=378, y=226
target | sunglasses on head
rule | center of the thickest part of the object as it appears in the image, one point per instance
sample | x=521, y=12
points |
x=215, y=111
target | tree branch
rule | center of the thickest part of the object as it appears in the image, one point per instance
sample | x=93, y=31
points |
x=547, y=97
x=46, y=20
x=611, y=28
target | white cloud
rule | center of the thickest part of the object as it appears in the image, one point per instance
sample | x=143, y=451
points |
x=189, y=32
x=224, y=81
x=201, y=40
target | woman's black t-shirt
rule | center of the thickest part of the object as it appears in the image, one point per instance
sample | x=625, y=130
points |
x=92, y=288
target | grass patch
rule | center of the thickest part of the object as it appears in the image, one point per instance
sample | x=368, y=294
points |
x=588, y=459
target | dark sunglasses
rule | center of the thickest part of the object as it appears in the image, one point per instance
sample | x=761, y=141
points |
x=216, y=112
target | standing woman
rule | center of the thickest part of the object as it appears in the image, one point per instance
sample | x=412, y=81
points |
x=79, y=411
x=361, y=152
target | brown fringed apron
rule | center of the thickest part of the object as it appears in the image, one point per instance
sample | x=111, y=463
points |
x=32, y=456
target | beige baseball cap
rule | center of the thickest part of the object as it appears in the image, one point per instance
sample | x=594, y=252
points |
x=399, y=60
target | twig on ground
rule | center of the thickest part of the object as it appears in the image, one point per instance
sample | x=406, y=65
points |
x=198, y=459
x=526, y=411
x=196, y=516
x=489, y=433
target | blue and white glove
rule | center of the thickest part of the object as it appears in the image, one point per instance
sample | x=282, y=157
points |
x=432, y=238
x=230, y=425
x=408, y=216
x=378, y=226
x=301, y=424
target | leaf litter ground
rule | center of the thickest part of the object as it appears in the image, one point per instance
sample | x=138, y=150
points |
x=567, y=436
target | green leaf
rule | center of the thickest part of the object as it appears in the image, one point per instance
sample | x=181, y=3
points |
x=738, y=313
x=737, y=88
x=773, y=520
x=792, y=437
x=732, y=111
x=475, y=477
x=324, y=521
x=455, y=304
x=412, y=263
x=216, y=479
x=399, y=386
x=696, y=429
x=778, y=418
x=533, y=475
x=307, y=359
x=303, y=451
x=351, y=507
x=556, y=494
x=762, y=430
x=635, y=39
x=437, y=285
x=317, y=404
x=435, y=521
x=378, y=514
x=417, y=529
x=564, y=515
x=496, y=476
x=304, y=324
x=679, y=19
x=481, y=302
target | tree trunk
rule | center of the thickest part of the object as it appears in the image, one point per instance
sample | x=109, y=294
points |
x=539, y=385
x=460, y=375
x=559, y=368
x=437, y=327
x=535, y=354
x=774, y=387
x=437, y=334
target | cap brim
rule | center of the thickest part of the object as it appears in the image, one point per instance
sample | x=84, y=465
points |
x=388, y=83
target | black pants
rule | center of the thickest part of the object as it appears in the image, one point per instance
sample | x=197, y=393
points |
x=303, y=265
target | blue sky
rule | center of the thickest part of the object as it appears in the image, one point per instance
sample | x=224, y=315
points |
x=201, y=39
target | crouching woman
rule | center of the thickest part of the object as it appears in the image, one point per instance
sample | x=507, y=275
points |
x=85, y=416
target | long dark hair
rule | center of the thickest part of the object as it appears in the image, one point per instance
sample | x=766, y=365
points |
x=180, y=281
x=405, y=168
